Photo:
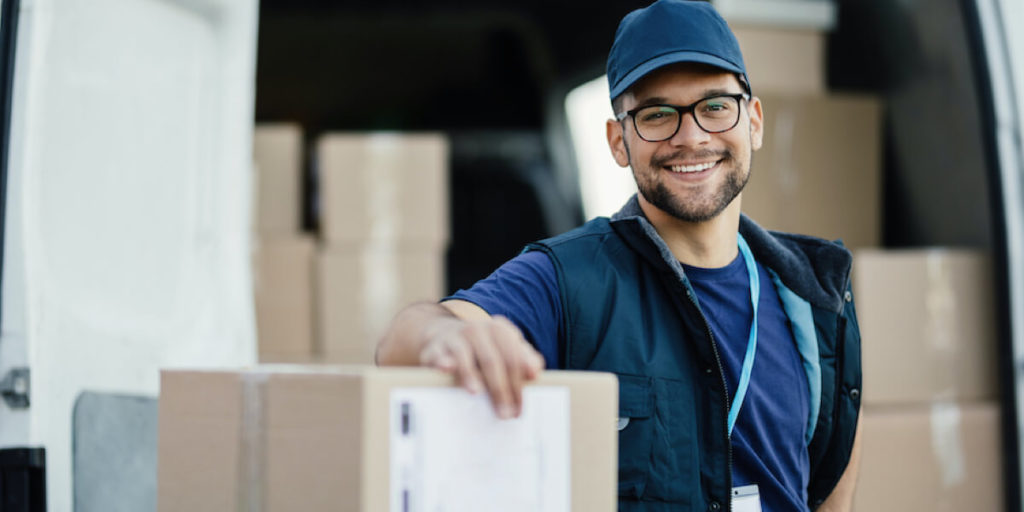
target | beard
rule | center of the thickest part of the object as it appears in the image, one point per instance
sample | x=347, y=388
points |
x=698, y=209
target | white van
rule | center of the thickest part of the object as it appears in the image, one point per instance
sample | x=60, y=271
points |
x=125, y=172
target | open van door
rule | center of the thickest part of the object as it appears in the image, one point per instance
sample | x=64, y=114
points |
x=126, y=229
x=999, y=35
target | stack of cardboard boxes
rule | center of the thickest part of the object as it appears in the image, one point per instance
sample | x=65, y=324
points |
x=931, y=431
x=283, y=254
x=819, y=169
x=383, y=204
x=930, y=428
x=384, y=232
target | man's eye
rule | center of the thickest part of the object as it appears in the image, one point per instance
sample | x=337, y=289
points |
x=656, y=115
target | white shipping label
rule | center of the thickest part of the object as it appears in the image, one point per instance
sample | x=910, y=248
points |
x=451, y=453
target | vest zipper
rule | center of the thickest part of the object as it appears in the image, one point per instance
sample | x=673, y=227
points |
x=725, y=386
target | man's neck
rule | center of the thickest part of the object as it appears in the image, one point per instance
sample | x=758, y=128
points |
x=709, y=244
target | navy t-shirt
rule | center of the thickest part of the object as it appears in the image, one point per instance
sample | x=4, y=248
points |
x=768, y=439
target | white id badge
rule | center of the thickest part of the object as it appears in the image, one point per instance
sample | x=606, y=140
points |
x=746, y=499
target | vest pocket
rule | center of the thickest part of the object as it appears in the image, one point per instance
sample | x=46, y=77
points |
x=636, y=433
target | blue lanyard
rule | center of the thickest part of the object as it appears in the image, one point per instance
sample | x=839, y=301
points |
x=748, y=359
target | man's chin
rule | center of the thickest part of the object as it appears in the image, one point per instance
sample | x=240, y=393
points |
x=680, y=209
x=686, y=213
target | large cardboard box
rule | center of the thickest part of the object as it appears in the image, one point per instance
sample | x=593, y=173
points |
x=383, y=187
x=927, y=325
x=284, y=291
x=277, y=153
x=943, y=458
x=818, y=172
x=782, y=60
x=362, y=287
x=315, y=440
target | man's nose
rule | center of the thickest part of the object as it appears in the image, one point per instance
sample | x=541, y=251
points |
x=689, y=132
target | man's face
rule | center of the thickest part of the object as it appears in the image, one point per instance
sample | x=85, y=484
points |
x=694, y=175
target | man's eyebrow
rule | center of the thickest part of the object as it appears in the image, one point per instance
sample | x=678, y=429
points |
x=707, y=93
x=718, y=92
x=652, y=101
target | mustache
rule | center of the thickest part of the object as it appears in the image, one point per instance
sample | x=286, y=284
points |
x=662, y=160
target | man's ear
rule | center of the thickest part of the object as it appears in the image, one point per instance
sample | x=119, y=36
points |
x=756, y=123
x=615, y=142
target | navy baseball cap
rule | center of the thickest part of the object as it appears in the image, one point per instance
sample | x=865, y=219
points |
x=667, y=32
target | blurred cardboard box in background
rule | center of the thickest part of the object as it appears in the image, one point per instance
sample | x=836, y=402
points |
x=317, y=439
x=931, y=457
x=363, y=286
x=383, y=187
x=927, y=324
x=819, y=170
x=277, y=182
x=284, y=291
x=782, y=60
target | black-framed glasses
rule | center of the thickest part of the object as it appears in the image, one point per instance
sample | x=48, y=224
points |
x=714, y=114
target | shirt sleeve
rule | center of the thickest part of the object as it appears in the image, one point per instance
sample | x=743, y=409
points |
x=524, y=290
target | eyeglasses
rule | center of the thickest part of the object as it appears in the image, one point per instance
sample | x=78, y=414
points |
x=716, y=114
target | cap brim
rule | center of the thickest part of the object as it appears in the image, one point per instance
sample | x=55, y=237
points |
x=670, y=58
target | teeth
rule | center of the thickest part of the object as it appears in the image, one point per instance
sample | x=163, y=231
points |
x=692, y=168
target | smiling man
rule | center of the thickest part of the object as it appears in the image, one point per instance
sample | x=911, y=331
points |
x=737, y=349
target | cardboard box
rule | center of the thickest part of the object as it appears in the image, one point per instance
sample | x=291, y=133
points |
x=361, y=288
x=783, y=61
x=284, y=292
x=927, y=325
x=818, y=172
x=383, y=187
x=299, y=439
x=946, y=457
x=277, y=152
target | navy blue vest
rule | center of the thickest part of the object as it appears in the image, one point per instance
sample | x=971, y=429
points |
x=628, y=309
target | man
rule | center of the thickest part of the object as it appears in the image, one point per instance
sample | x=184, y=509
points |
x=737, y=350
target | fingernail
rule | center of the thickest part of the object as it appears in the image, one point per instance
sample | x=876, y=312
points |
x=506, y=411
x=474, y=386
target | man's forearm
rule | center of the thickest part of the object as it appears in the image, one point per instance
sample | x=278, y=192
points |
x=403, y=343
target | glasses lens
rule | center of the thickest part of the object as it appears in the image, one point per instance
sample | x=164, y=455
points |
x=657, y=122
x=717, y=114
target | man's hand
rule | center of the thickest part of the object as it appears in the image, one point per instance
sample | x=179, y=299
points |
x=458, y=337
x=490, y=353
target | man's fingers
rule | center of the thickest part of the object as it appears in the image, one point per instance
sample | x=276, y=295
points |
x=436, y=355
x=430, y=355
x=493, y=370
x=451, y=353
x=533, y=361
x=510, y=341
x=529, y=362
x=466, y=374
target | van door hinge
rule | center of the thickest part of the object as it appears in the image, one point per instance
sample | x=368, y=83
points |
x=15, y=388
